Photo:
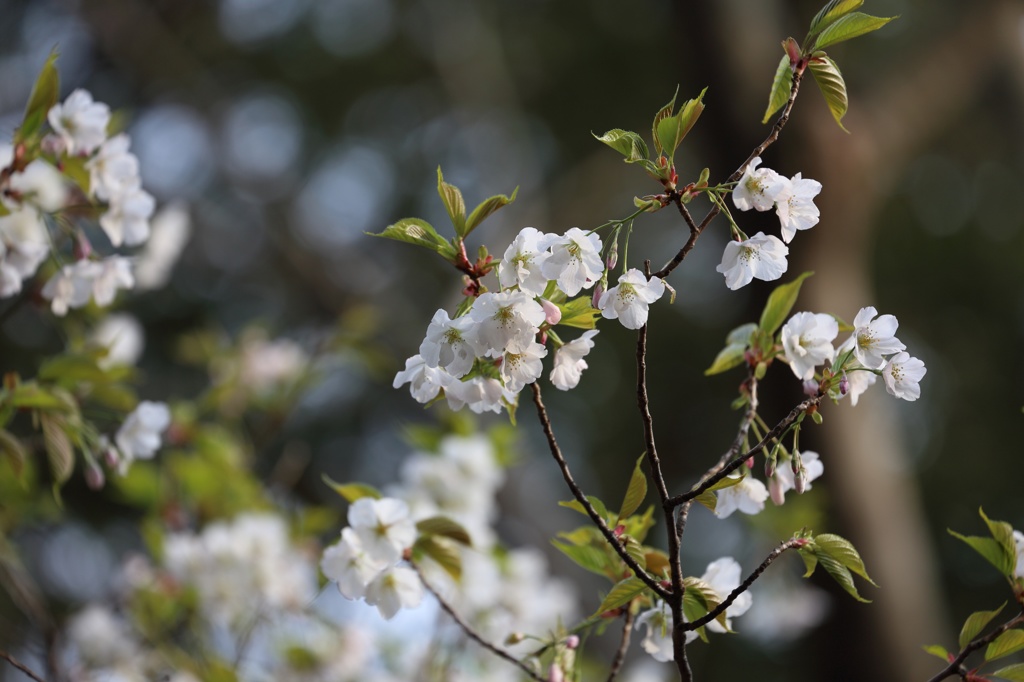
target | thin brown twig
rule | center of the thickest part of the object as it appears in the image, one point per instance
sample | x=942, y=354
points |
x=20, y=666
x=738, y=461
x=471, y=633
x=607, y=532
x=695, y=231
x=745, y=585
x=955, y=666
x=620, y=654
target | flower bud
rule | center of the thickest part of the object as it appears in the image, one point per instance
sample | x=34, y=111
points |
x=572, y=641
x=514, y=638
x=811, y=388
x=776, y=491
x=552, y=313
x=83, y=247
x=94, y=477
x=800, y=480
x=844, y=385
x=555, y=673
x=613, y=255
x=596, y=298
x=770, y=463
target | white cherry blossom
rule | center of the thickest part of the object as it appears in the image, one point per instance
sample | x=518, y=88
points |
x=349, y=565
x=122, y=336
x=127, y=218
x=114, y=170
x=24, y=245
x=723, y=575
x=795, y=206
x=1018, y=541
x=521, y=265
x=903, y=375
x=658, y=639
x=873, y=338
x=448, y=343
x=394, y=589
x=569, y=362
x=762, y=257
x=860, y=380
x=139, y=435
x=747, y=496
x=629, y=299
x=383, y=526
x=502, y=317
x=757, y=188
x=170, y=229
x=575, y=261
x=480, y=394
x=113, y=273
x=425, y=382
x=71, y=287
x=807, y=340
x=521, y=364
x=80, y=122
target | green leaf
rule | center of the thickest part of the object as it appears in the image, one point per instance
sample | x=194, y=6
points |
x=663, y=113
x=636, y=491
x=597, y=504
x=1002, y=532
x=939, y=651
x=351, y=491
x=453, y=202
x=975, y=623
x=59, y=451
x=672, y=129
x=780, y=303
x=656, y=562
x=74, y=168
x=70, y=370
x=742, y=334
x=445, y=553
x=832, y=11
x=727, y=358
x=703, y=598
x=810, y=561
x=850, y=26
x=44, y=96
x=625, y=142
x=991, y=550
x=444, y=527
x=590, y=558
x=781, y=86
x=833, y=87
x=419, y=232
x=623, y=592
x=584, y=535
x=635, y=550
x=842, y=550
x=1014, y=673
x=1009, y=642
x=579, y=313
x=31, y=395
x=841, y=575
x=14, y=450
x=487, y=207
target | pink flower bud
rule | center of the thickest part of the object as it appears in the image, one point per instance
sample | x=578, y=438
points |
x=613, y=255
x=800, y=480
x=111, y=457
x=83, y=247
x=572, y=641
x=769, y=466
x=555, y=673
x=552, y=313
x=776, y=491
x=844, y=385
x=811, y=387
x=94, y=477
x=596, y=298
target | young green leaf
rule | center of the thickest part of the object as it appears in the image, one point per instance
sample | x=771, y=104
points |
x=597, y=504
x=453, y=202
x=44, y=96
x=1013, y=673
x=850, y=26
x=810, y=561
x=939, y=651
x=625, y=142
x=445, y=553
x=780, y=302
x=486, y=208
x=841, y=575
x=831, y=12
x=351, y=491
x=704, y=598
x=992, y=550
x=444, y=527
x=842, y=550
x=662, y=114
x=622, y=593
x=742, y=334
x=1002, y=532
x=727, y=358
x=781, y=86
x=636, y=491
x=578, y=313
x=419, y=232
x=590, y=558
x=975, y=623
x=833, y=87
x=671, y=130
x=14, y=450
x=59, y=451
x=1009, y=642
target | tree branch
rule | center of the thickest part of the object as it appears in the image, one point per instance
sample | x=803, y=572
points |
x=695, y=231
x=745, y=585
x=620, y=654
x=607, y=532
x=955, y=666
x=471, y=633
x=20, y=666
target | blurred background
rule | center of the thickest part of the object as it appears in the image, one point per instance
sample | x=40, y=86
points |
x=292, y=128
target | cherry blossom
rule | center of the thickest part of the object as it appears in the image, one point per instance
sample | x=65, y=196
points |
x=394, y=589
x=658, y=639
x=80, y=122
x=762, y=257
x=521, y=364
x=139, y=435
x=628, y=301
x=757, y=188
x=24, y=245
x=569, y=362
x=127, y=218
x=873, y=338
x=425, y=382
x=1018, y=541
x=123, y=338
x=481, y=394
x=807, y=340
x=112, y=273
x=723, y=575
x=575, y=261
x=502, y=317
x=524, y=257
x=795, y=206
x=860, y=380
x=903, y=375
x=448, y=345
x=747, y=496
x=114, y=170
x=71, y=287
x=383, y=526
x=349, y=565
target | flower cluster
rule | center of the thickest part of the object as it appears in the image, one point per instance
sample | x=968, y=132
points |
x=484, y=357
x=764, y=256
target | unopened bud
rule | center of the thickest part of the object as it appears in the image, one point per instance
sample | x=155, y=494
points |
x=552, y=313
x=572, y=641
x=844, y=385
x=769, y=465
x=514, y=638
x=776, y=491
x=83, y=247
x=94, y=477
x=555, y=673
x=613, y=255
x=111, y=457
x=595, y=300
x=619, y=530
x=800, y=480
x=811, y=388
x=750, y=462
